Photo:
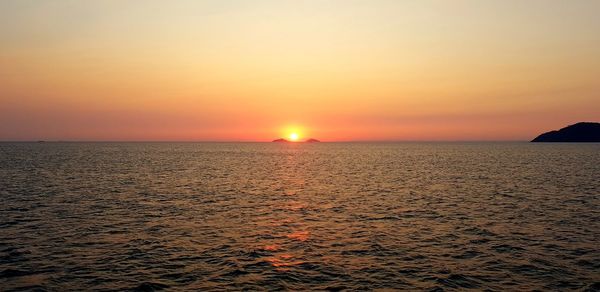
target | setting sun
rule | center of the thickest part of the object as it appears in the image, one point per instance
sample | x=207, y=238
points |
x=293, y=132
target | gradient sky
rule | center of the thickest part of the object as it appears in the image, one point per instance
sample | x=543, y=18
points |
x=334, y=70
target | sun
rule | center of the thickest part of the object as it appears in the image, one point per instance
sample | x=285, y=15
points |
x=293, y=133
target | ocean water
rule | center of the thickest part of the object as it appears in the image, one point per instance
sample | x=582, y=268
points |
x=266, y=216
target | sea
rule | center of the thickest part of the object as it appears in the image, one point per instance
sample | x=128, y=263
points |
x=455, y=216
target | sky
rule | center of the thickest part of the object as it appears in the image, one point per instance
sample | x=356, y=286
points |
x=343, y=70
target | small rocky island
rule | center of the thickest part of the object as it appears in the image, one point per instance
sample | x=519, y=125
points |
x=281, y=140
x=580, y=132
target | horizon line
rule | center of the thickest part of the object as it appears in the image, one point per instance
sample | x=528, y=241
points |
x=249, y=141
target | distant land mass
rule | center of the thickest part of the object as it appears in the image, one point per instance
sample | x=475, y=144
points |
x=580, y=132
x=281, y=140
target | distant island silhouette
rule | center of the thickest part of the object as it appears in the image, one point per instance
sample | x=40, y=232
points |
x=580, y=132
x=281, y=140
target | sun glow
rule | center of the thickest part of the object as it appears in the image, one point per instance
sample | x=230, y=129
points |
x=292, y=133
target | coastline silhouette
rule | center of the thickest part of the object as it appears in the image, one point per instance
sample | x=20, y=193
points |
x=579, y=132
x=282, y=140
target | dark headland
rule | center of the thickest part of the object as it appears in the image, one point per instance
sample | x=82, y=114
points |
x=311, y=140
x=580, y=132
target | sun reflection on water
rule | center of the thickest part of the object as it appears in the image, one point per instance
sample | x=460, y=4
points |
x=290, y=236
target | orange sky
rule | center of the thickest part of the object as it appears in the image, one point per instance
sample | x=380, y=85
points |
x=336, y=70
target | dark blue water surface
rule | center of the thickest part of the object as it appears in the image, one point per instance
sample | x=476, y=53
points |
x=266, y=216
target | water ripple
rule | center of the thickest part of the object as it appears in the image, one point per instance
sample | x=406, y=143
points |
x=330, y=216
